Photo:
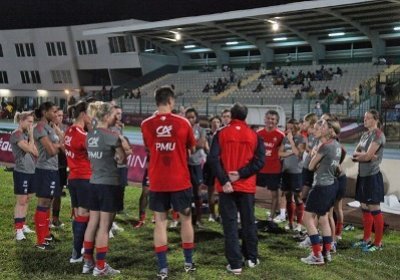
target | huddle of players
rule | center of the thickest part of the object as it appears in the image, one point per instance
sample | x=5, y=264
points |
x=94, y=147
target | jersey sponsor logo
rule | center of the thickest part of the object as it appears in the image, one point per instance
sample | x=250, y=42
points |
x=95, y=155
x=69, y=153
x=93, y=142
x=5, y=146
x=164, y=131
x=238, y=127
x=165, y=146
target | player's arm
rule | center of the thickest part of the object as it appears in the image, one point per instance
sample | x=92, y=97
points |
x=316, y=158
x=215, y=161
x=256, y=163
x=282, y=153
x=368, y=155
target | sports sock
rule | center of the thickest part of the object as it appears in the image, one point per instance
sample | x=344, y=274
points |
x=161, y=252
x=101, y=253
x=88, y=254
x=290, y=207
x=315, y=244
x=378, y=226
x=41, y=223
x=368, y=221
x=327, y=243
x=339, y=227
x=188, y=252
x=300, y=213
x=79, y=225
x=19, y=223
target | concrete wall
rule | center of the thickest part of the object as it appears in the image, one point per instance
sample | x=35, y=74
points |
x=151, y=62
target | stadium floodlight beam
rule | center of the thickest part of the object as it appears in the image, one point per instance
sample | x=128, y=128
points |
x=149, y=50
x=396, y=28
x=336, y=34
x=280, y=39
x=232, y=43
x=189, y=46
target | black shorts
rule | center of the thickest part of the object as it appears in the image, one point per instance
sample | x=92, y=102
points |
x=23, y=183
x=342, y=182
x=292, y=182
x=321, y=198
x=145, y=181
x=196, y=179
x=79, y=190
x=163, y=201
x=47, y=183
x=271, y=181
x=369, y=189
x=307, y=177
x=103, y=198
x=63, y=176
x=123, y=176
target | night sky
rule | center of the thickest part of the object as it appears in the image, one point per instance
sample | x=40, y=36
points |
x=44, y=13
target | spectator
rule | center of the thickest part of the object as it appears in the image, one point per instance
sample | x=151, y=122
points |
x=317, y=109
x=298, y=95
x=259, y=87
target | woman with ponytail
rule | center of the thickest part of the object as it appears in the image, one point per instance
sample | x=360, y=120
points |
x=24, y=151
x=46, y=180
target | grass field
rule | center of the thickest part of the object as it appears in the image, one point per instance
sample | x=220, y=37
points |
x=132, y=252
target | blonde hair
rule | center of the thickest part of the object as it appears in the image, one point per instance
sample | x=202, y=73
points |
x=312, y=118
x=21, y=116
x=99, y=109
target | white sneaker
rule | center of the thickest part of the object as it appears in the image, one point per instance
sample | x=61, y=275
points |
x=110, y=234
x=279, y=219
x=305, y=243
x=311, y=259
x=26, y=229
x=106, y=271
x=19, y=235
x=289, y=227
x=77, y=260
x=211, y=219
x=116, y=227
x=298, y=228
x=251, y=264
x=338, y=237
x=236, y=271
x=173, y=224
x=87, y=267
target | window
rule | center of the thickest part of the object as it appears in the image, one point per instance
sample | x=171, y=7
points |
x=1, y=51
x=86, y=47
x=30, y=77
x=121, y=44
x=3, y=77
x=61, y=76
x=25, y=49
x=56, y=48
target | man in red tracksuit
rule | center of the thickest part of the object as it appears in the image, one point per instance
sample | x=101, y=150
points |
x=236, y=155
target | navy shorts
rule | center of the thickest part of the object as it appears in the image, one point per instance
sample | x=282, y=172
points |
x=103, y=198
x=369, y=189
x=292, y=182
x=162, y=201
x=321, y=198
x=79, y=191
x=271, y=181
x=196, y=179
x=23, y=183
x=47, y=183
x=145, y=180
x=307, y=177
x=342, y=182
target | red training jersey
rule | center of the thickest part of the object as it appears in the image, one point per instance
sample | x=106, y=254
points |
x=76, y=152
x=168, y=138
x=272, y=141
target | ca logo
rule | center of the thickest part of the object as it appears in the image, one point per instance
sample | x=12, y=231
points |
x=164, y=131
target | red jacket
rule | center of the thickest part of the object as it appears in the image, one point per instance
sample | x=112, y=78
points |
x=236, y=147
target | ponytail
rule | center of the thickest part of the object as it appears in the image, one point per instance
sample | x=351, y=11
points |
x=21, y=116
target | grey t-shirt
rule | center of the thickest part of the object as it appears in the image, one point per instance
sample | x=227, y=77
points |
x=371, y=167
x=292, y=164
x=45, y=161
x=324, y=175
x=197, y=157
x=311, y=143
x=24, y=161
x=101, y=144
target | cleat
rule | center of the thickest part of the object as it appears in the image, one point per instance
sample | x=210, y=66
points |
x=162, y=276
x=199, y=225
x=26, y=229
x=116, y=227
x=88, y=267
x=76, y=260
x=106, y=271
x=236, y=271
x=189, y=267
x=211, y=219
x=338, y=237
x=333, y=247
x=139, y=224
x=327, y=257
x=372, y=248
x=361, y=244
x=279, y=219
x=51, y=238
x=173, y=224
x=44, y=247
x=313, y=260
x=289, y=227
x=252, y=264
x=56, y=224
x=19, y=235
x=306, y=243
x=298, y=228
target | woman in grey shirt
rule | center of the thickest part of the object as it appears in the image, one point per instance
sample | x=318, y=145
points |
x=24, y=149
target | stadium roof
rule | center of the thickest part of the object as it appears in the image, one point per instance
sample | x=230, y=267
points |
x=300, y=23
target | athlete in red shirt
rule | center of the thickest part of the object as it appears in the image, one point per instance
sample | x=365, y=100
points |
x=168, y=137
x=270, y=175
